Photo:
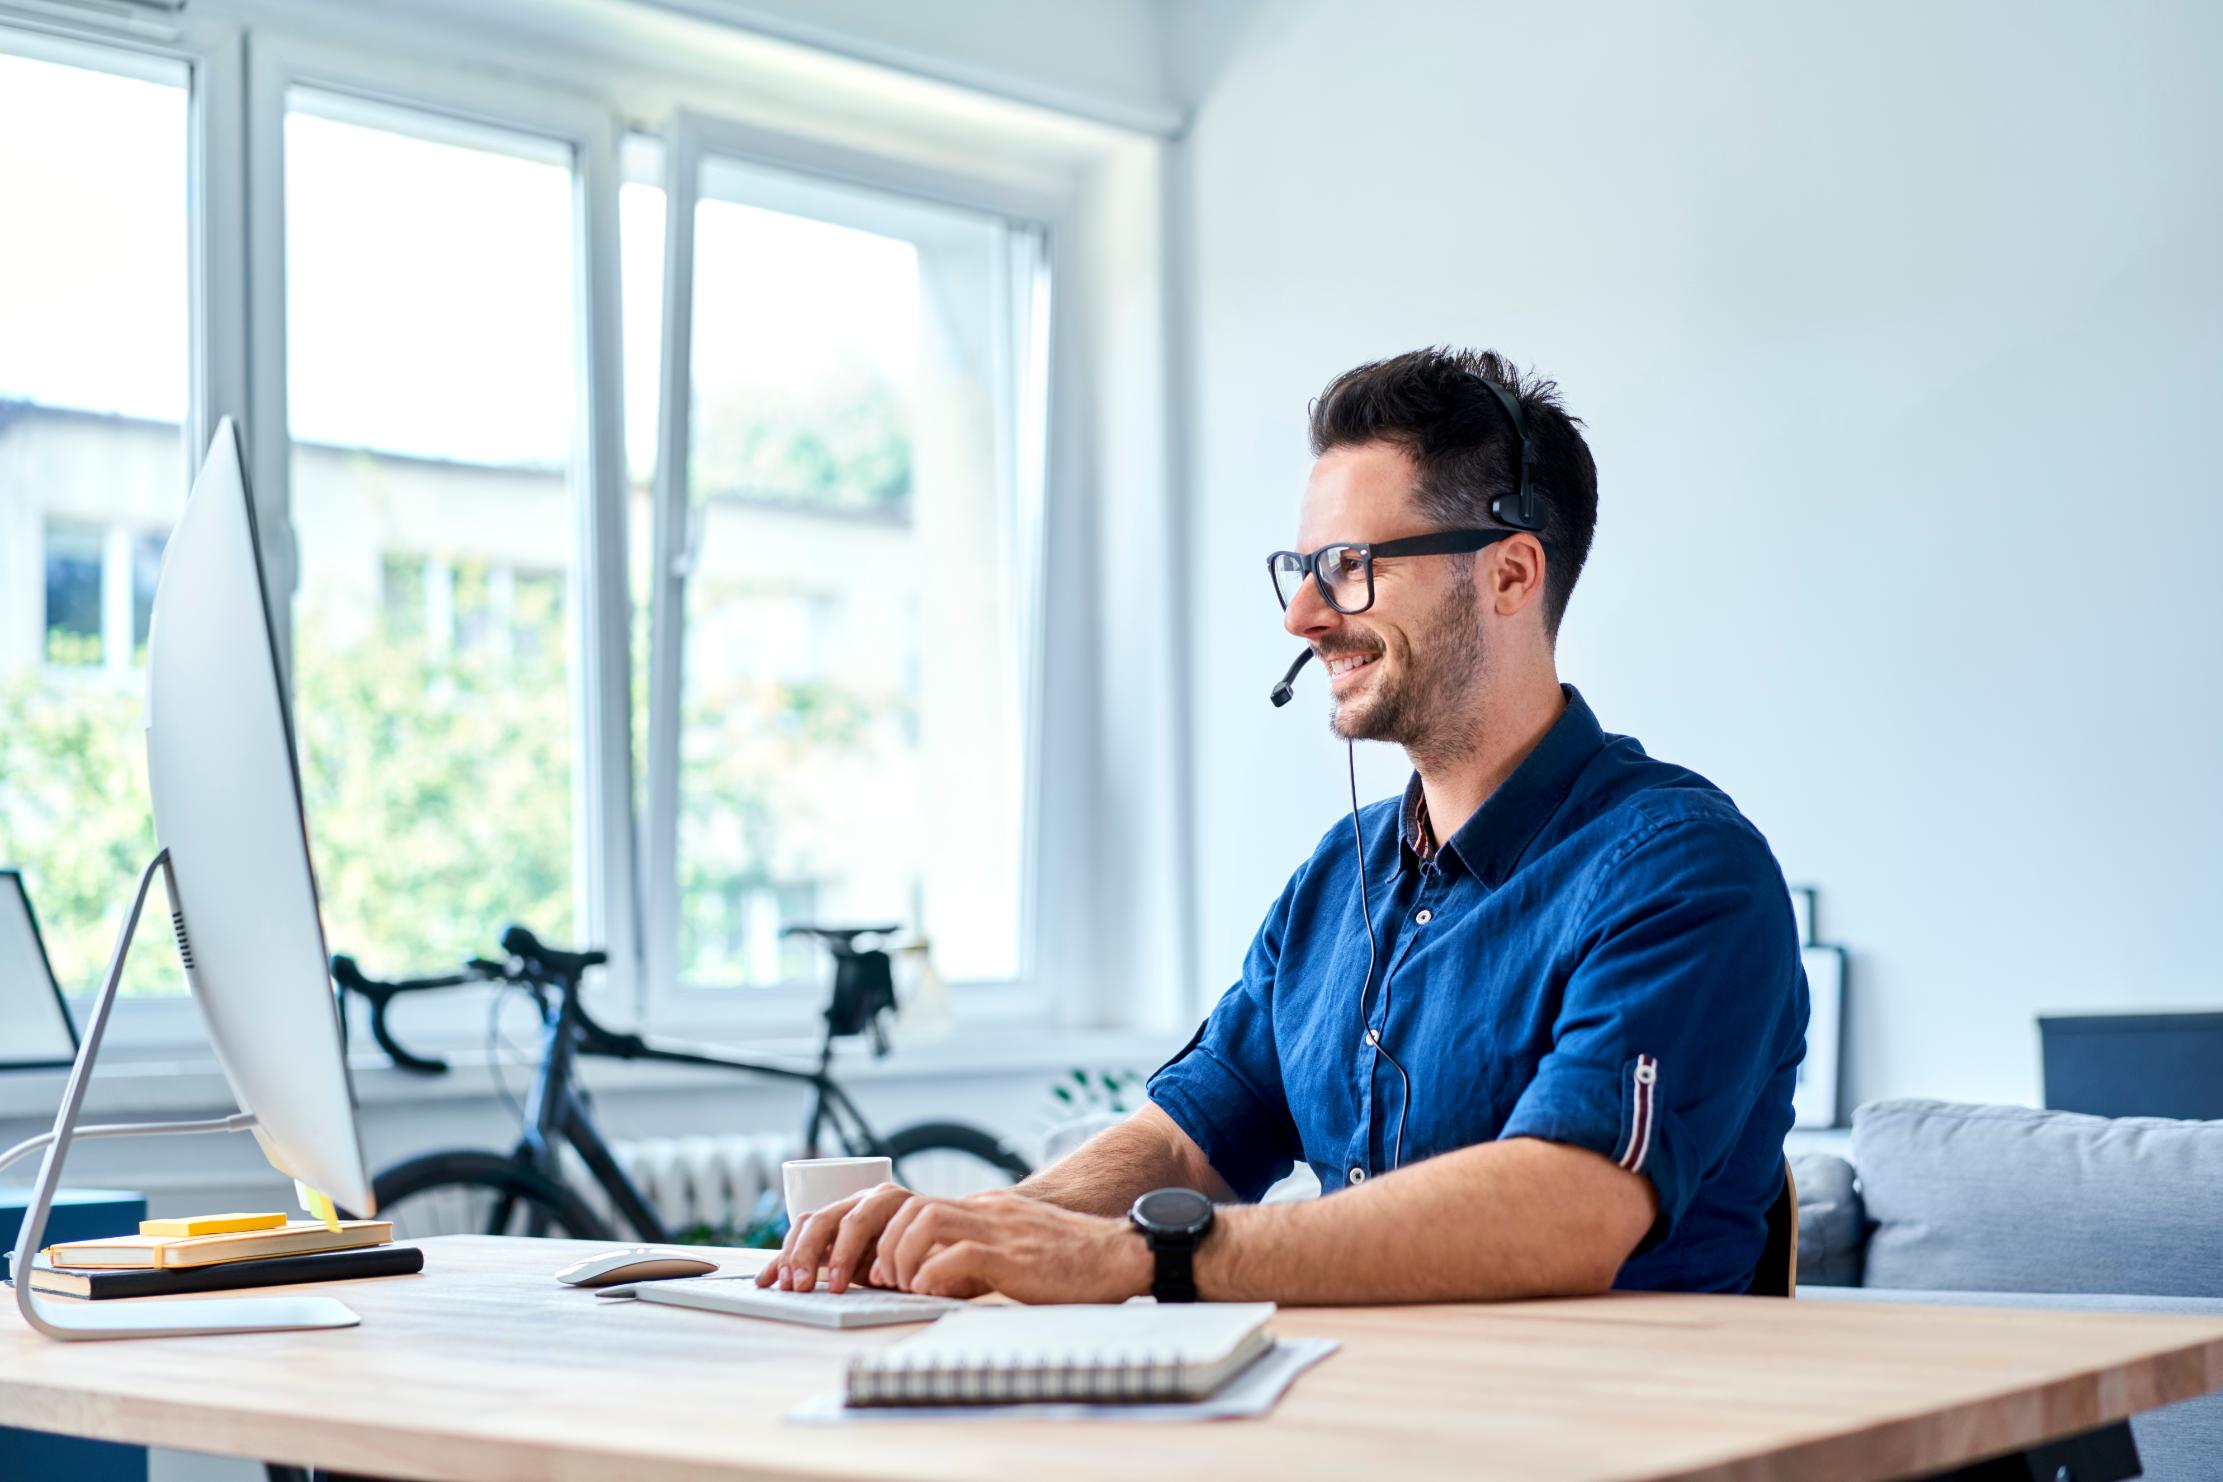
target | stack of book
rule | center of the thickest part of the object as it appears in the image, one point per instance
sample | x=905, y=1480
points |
x=222, y=1252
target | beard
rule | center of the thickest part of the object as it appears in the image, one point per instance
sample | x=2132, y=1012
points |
x=1426, y=704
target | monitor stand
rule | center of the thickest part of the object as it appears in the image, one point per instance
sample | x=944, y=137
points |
x=143, y=1318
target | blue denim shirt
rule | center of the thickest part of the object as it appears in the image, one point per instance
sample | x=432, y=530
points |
x=1603, y=956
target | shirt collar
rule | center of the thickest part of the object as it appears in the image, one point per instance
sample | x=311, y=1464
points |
x=1491, y=843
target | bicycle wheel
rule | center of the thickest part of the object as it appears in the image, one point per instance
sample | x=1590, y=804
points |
x=461, y=1192
x=950, y=1159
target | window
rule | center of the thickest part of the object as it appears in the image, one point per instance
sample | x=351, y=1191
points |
x=436, y=607
x=430, y=388
x=144, y=552
x=833, y=582
x=95, y=379
x=404, y=597
x=842, y=723
x=85, y=563
x=73, y=562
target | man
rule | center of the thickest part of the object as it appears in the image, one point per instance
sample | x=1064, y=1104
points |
x=1554, y=1055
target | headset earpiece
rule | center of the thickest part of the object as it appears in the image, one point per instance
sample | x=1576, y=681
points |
x=1517, y=511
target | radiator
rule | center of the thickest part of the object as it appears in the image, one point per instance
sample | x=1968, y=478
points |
x=715, y=1181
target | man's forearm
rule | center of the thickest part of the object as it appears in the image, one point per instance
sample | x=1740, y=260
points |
x=1119, y=1165
x=1520, y=1218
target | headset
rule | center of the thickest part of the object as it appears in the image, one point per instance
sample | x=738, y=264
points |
x=1519, y=511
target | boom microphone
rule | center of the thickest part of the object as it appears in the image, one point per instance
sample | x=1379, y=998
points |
x=1286, y=688
x=1280, y=696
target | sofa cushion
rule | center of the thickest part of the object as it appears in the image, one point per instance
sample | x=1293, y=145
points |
x=2177, y=1443
x=2009, y=1199
x=1831, y=1226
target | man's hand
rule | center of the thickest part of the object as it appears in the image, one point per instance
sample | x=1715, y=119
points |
x=997, y=1242
x=840, y=1237
x=1090, y=1189
x=1005, y=1242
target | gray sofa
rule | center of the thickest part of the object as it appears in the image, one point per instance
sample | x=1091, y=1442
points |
x=2005, y=1206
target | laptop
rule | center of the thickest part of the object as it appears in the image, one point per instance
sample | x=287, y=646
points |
x=35, y=1026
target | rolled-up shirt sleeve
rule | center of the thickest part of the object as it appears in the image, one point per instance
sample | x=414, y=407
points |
x=1225, y=1089
x=1685, y=1002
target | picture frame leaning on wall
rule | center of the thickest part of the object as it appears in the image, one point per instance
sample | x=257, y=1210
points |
x=1814, y=1098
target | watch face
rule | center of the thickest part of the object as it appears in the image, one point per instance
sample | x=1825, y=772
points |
x=1174, y=1211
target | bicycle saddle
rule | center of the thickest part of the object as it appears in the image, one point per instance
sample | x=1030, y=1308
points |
x=518, y=942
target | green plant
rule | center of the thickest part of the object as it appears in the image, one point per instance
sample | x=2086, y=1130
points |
x=1082, y=1092
x=74, y=818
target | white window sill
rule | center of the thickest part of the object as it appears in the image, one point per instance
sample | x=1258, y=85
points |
x=153, y=1087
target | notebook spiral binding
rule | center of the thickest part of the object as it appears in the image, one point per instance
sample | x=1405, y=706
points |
x=931, y=1382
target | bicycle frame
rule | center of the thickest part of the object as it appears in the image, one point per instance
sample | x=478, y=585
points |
x=557, y=1110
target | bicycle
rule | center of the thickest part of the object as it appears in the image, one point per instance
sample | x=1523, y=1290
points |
x=526, y=1190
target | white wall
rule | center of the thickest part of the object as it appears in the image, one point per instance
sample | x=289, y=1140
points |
x=1896, y=328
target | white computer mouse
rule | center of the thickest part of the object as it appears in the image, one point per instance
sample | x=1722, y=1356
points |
x=633, y=1263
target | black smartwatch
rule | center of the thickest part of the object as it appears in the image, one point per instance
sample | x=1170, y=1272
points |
x=1174, y=1222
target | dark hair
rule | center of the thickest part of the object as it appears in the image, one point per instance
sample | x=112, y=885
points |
x=1431, y=404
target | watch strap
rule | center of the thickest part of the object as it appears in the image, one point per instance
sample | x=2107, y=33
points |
x=1175, y=1278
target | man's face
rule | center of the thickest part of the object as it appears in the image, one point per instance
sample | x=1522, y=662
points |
x=1408, y=668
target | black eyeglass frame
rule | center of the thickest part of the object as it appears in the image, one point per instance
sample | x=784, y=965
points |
x=1435, y=543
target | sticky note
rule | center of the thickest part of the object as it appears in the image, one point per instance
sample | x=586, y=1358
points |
x=210, y=1224
x=319, y=1204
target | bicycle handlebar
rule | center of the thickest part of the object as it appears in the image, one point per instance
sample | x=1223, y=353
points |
x=533, y=963
x=349, y=976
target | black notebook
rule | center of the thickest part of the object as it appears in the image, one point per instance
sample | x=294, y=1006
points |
x=337, y=1265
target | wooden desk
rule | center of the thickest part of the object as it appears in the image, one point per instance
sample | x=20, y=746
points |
x=484, y=1368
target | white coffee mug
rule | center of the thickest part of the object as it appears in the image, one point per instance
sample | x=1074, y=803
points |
x=814, y=1183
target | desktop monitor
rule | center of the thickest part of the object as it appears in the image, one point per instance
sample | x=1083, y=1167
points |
x=235, y=854
x=227, y=806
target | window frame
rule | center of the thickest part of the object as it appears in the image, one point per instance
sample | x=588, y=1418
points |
x=213, y=52
x=602, y=834
x=1095, y=194
x=690, y=138
x=213, y=55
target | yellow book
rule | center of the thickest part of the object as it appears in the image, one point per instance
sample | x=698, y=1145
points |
x=174, y=1253
x=211, y=1224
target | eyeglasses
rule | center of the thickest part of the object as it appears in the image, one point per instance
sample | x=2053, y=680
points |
x=1344, y=572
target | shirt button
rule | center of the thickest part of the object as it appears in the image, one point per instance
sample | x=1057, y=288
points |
x=1425, y=917
x=1358, y=1175
x=1373, y=1036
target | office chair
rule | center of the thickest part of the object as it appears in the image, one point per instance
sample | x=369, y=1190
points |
x=1777, y=1273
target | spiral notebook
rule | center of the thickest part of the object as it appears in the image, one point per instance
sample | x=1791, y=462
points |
x=1000, y=1355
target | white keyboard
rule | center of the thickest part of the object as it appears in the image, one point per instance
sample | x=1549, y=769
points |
x=859, y=1307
